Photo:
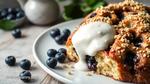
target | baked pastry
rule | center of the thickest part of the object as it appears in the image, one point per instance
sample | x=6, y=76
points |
x=127, y=57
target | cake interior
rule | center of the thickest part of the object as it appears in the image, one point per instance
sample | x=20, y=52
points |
x=107, y=66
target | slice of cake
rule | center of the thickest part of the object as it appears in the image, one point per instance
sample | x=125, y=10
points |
x=114, y=41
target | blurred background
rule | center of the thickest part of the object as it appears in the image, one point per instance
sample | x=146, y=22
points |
x=14, y=3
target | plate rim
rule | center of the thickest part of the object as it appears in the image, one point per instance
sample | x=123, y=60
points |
x=36, y=57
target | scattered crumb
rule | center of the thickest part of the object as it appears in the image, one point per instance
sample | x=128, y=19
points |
x=70, y=73
x=66, y=66
x=89, y=74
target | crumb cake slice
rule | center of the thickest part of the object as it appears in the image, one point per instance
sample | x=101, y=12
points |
x=127, y=58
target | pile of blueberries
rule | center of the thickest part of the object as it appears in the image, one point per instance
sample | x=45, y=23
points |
x=25, y=64
x=11, y=13
x=60, y=37
x=60, y=55
x=55, y=56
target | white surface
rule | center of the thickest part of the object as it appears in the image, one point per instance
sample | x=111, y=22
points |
x=44, y=42
x=94, y=36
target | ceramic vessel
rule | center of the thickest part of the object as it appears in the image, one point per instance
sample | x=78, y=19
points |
x=40, y=12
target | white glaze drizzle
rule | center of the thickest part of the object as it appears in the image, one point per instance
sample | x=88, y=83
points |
x=91, y=38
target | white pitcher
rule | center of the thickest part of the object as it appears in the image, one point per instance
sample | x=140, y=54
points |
x=40, y=12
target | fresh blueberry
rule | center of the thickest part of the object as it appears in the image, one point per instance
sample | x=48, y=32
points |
x=87, y=58
x=91, y=62
x=25, y=64
x=55, y=32
x=66, y=33
x=3, y=13
x=60, y=57
x=64, y=36
x=10, y=17
x=10, y=10
x=16, y=33
x=51, y=52
x=91, y=59
x=92, y=65
x=25, y=76
x=18, y=9
x=20, y=14
x=13, y=11
x=62, y=50
x=51, y=62
x=10, y=60
x=59, y=40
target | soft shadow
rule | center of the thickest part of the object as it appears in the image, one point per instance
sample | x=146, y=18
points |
x=59, y=68
x=33, y=68
x=23, y=36
x=33, y=81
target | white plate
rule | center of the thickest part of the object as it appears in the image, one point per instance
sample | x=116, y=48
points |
x=45, y=42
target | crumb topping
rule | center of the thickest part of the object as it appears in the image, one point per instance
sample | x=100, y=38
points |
x=127, y=17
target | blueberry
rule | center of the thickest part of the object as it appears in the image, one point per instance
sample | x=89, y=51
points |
x=91, y=65
x=62, y=50
x=25, y=76
x=51, y=52
x=51, y=62
x=66, y=33
x=20, y=14
x=55, y=32
x=87, y=58
x=3, y=13
x=18, y=9
x=10, y=10
x=25, y=64
x=91, y=59
x=60, y=57
x=16, y=33
x=59, y=40
x=10, y=17
x=10, y=60
x=91, y=62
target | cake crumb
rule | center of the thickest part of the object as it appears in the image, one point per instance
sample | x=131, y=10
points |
x=89, y=74
x=70, y=73
x=66, y=66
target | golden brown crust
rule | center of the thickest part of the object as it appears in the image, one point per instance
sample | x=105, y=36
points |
x=132, y=23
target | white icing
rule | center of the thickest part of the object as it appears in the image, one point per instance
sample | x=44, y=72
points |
x=91, y=38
